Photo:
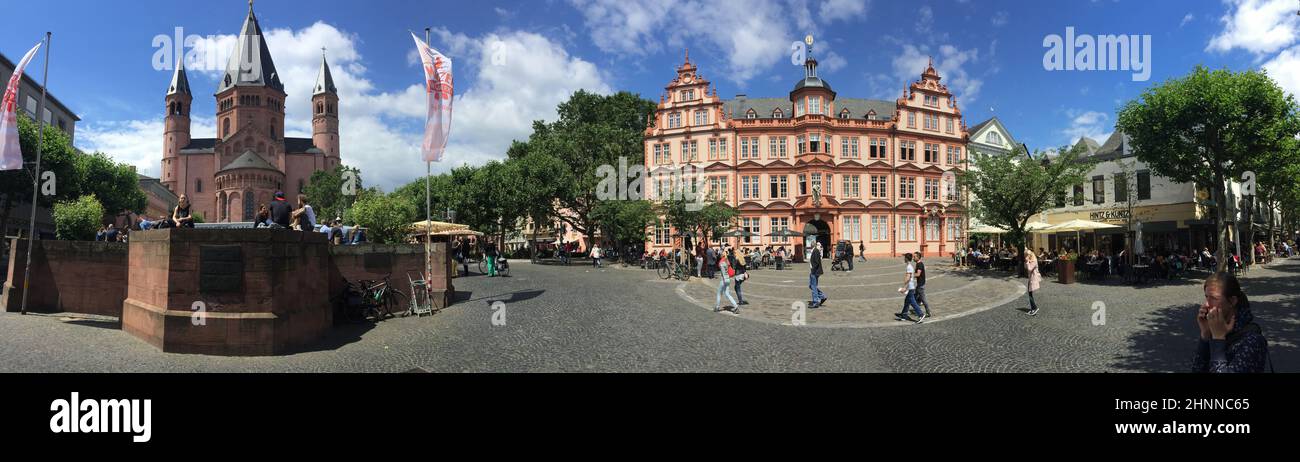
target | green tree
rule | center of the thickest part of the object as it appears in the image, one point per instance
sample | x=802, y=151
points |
x=386, y=217
x=58, y=156
x=79, y=219
x=1209, y=128
x=624, y=222
x=1009, y=189
x=591, y=130
x=115, y=185
x=333, y=191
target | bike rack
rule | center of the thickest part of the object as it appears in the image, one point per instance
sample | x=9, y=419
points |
x=421, y=304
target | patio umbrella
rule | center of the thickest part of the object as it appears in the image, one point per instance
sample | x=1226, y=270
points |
x=986, y=229
x=740, y=233
x=783, y=233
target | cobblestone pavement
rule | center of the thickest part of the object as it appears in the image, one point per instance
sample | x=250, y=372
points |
x=577, y=319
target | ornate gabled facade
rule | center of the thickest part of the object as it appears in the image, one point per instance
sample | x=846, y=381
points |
x=861, y=170
x=228, y=177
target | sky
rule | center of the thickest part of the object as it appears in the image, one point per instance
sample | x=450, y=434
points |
x=516, y=60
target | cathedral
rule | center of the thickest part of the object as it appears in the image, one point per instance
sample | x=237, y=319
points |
x=228, y=177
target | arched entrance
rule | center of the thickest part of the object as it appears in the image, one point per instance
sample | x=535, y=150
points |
x=819, y=230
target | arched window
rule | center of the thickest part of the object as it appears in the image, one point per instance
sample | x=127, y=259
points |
x=225, y=127
x=198, y=185
x=248, y=205
x=300, y=186
x=272, y=132
x=320, y=108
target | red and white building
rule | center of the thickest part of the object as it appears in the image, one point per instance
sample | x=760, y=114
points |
x=861, y=170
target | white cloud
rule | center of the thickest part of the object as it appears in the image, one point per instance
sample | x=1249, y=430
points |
x=843, y=9
x=751, y=42
x=1285, y=69
x=1186, y=19
x=1092, y=124
x=380, y=130
x=950, y=63
x=1000, y=18
x=924, y=20
x=1258, y=26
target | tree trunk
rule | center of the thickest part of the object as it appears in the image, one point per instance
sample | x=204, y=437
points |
x=1221, y=213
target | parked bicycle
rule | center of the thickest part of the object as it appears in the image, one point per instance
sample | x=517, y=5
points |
x=369, y=300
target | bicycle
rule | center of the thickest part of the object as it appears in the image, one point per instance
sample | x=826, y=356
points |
x=502, y=266
x=379, y=299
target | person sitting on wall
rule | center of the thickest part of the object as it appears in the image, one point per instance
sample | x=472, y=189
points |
x=281, y=211
x=263, y=217
x=181, y=216
x=304, y=215
x=337, y=235
x=145, y=223
x=358, y=235
x=110, y=233
x=99, y=235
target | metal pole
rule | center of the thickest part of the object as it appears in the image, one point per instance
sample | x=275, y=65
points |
x=36, y=176
x=428, y=216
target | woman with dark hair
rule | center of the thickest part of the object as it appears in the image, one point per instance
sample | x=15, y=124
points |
x=1230, y=340
x=263, y=217
x=181, y=217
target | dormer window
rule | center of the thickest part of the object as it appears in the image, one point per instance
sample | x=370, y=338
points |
x=871, y=115
x=751, y=114
x=778, y=114
x=844, y=114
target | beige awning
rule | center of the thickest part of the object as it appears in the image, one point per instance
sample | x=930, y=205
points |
x=436, y=227
x=1078, y=225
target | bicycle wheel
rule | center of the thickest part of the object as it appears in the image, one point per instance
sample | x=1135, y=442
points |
x=394, y=300
x=482, y=266
x=664, y=271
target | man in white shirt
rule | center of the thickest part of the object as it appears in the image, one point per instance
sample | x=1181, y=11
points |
x=305, y=215
x=909, y=293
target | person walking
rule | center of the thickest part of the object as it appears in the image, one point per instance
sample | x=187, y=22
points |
x=726, y=272
x=909, y=292
x=595, y=255
x=462, y=251
x=1035, y=280
x=814, y=273
x=862, y=252
x=711, y=257
x=699, y=260
x=1231, y=341
x=490, y=253
x=848, y=255
x=738, y=265
x=920, y=283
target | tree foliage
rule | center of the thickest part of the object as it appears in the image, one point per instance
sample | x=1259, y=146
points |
x=1211, y=127
x=78, y=219
x=329, y=191
x=1009, y=189
x=386, y=217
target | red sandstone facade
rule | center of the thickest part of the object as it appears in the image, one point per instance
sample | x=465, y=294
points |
x=228, y=177
x=878, y=165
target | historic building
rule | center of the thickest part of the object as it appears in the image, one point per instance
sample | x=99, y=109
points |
x=861, y=170
x=228, y=177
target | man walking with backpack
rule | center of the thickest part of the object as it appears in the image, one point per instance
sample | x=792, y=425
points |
x=815, y=272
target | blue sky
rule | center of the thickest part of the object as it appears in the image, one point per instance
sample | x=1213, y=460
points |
x=989, y=52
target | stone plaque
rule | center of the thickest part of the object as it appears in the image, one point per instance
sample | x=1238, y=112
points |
x=221, y=268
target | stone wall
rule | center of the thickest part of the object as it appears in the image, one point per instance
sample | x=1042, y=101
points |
x=374, y=261
x=68, y=276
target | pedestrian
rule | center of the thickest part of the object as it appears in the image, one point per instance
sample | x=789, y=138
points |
x=462, y=253
x=814, y=273
x=848, y=254
x=595, y=255
x=711, y=257
x=1231, y=341
x=739, y=268
x=1035, y=280
x=490, y=253
x=909, y=292
x=727, y=273
x=699, y=260
x=920, y=283
x=862, y=252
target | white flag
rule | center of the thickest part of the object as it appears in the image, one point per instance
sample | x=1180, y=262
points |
x=11, y=152
x=438, y=87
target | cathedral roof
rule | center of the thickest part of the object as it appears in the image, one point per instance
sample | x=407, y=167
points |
x=249, y=159
x=250, y=64
x=324, y=79
x=180, y=82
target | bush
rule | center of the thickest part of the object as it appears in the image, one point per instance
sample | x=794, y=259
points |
x=78, y=220
x=387, y=218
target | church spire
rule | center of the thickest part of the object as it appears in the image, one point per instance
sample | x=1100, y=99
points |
x=324, y=79
x=180, y=82
x=250, y=64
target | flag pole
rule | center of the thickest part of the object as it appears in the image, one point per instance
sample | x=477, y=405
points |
x=36, y=176
x=428, y=217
